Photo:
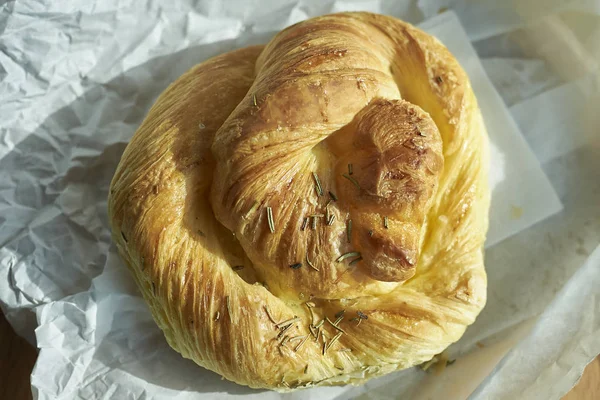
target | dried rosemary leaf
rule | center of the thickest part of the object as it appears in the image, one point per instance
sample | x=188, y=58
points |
x=270, y=316
x=334, y=325
x=347, y=255
x=333, y=196
x=284, y=330
x=296, y=265
x=310, y=264
x=385, y=222
x=217, y=316
x=330, y=220
x=238, y=267
x=351, y=179
x=304, y=223
x=334, y=339
x=299, y=345
x=361, y=315
x=350, y=169
x=287, y=322
x=318, y=186
x=270, y=219
x=340, y=313
x=313, y=331
x=285, y=339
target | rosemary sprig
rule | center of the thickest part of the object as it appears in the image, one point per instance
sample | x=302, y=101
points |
x=318, y=184
x=310, y=264
x=287, y=322
x=349, y=230
x=270, y=219
x=304, y=223
x=333, y=196
x=347, y=255
x=385, y=222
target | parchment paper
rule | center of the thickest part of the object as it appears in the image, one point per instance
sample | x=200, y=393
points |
x=76, y=80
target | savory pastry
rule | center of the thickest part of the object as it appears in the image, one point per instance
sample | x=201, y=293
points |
x=312, y=212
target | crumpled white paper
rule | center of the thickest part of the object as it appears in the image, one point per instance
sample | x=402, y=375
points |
x=77, y=79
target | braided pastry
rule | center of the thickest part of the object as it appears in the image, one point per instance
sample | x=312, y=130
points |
x=312, y=212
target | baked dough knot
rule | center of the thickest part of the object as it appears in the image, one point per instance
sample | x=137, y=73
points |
x=314, y=211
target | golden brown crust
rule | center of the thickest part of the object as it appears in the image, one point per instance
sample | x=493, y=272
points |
x=216, y=208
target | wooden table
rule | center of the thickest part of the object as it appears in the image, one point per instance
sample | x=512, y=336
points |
x=17, y=358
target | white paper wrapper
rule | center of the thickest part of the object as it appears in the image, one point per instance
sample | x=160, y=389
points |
x=76, y=80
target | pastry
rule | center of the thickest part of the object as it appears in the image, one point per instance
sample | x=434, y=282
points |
x=311, y=212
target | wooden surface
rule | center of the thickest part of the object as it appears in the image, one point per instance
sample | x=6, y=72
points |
x=17, y=358
x=16, y=362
